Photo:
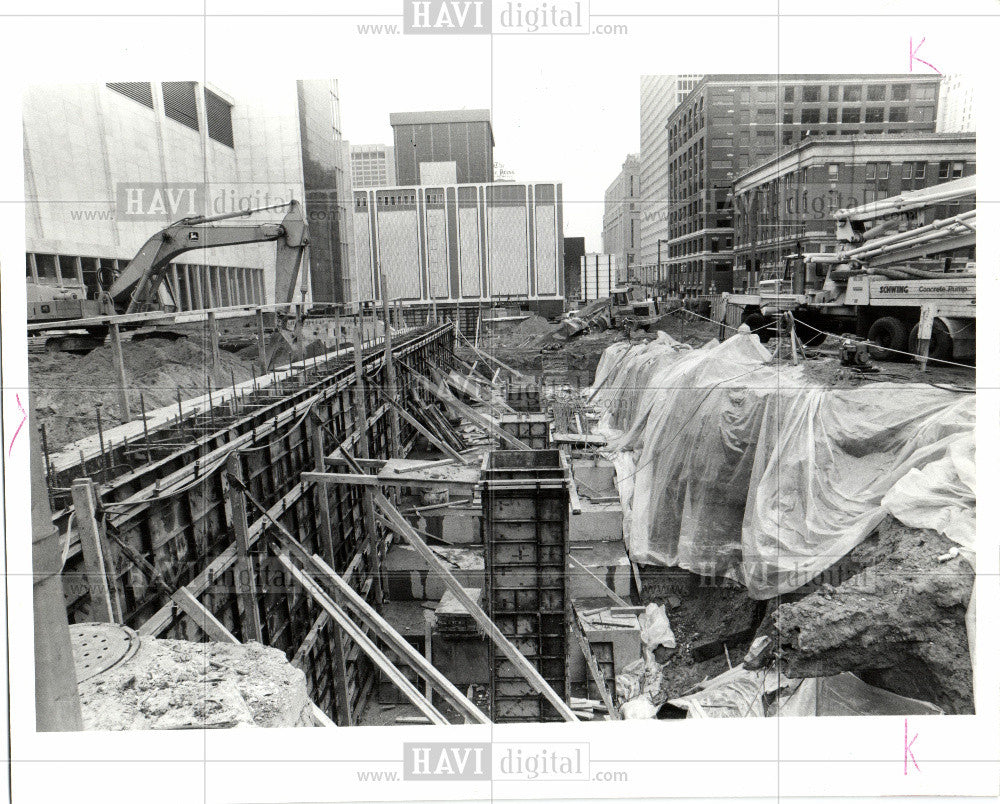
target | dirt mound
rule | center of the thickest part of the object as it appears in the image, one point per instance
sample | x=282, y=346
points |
x=898, y=622
x=533, y=325
x=65, y=388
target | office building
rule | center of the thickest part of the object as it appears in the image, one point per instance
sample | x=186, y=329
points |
x=573, y=249
x=659, y=95
x=463, y=243
x=955, y=110
x=622, y=217
x=373, y=166
x=785, y=204
x=449, y=147
x=133, y=157
x=728, y=123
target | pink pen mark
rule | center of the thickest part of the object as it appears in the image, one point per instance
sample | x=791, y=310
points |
x=20, y=424
x=908, y=748
x=913, y=56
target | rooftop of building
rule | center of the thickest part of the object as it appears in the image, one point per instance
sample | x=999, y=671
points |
x=831, y=144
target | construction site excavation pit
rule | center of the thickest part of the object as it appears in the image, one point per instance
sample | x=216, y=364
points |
x=565, y=529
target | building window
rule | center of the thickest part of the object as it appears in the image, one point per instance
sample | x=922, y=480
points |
x=923, y=114
x=810, y=115
x=139, y=91
x=789, y=94
x=831, y=114
x=908, y=170
x=786, y=117
x=874, y=114
x=180, y=102
x=876, y=92
x=900, y=92
x=919, y=170
x=219, y=115
x=924, y=92
x=833, y=172
x=810, y=94
x=851, y=115
x=852, y=94
x=897, y=114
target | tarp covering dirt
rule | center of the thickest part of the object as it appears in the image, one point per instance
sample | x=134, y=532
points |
x=747, y=470
x=740, y=693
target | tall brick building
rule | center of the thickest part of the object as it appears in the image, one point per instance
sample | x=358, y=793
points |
x=728, y=123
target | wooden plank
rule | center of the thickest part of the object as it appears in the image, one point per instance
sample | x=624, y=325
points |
x=424, y=431
x=390, y=371
x=213, y=338
x=311, y=637
x=370, y=648
x=219, y=633
x=361, y=608
x=371, y=618
x=361, y=408
x=116, y=347
x=344, y=713
x=202, y=617
x=595, y=671
x=481, y=420
x=104, y=605
x=369, y=481
x=609, y=592
x=527, y=670
x=246, y=571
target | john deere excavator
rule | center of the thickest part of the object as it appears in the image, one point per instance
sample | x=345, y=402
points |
x=140, y=287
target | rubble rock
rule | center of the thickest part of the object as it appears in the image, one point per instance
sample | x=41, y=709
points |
x=174, y=684
x=898, y=622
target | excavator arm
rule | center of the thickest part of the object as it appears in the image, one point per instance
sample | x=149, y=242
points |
x=137, y=288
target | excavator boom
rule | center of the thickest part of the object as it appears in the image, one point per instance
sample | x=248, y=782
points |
x=137, y=288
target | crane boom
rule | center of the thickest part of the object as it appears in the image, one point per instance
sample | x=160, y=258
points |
x=137, y=288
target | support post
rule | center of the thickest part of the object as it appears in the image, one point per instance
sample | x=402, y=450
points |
x=116, y=346
x=57, y=702
x=213, y=334
x=246, y=570
x=368, y=506
x=104, y=605
x=390, y=373
x=261, y=343
x=345, y=716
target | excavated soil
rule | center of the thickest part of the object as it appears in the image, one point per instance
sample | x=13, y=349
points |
x=66, y=387
x=898, y=621
x=704, y=614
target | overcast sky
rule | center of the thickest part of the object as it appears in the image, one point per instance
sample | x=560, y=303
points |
x=575, y=125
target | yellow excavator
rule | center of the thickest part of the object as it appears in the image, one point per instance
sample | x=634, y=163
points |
x=140, y=287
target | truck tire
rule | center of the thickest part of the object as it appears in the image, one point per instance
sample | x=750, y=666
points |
x=941, y=347
x=889, y=338
x=759, y=326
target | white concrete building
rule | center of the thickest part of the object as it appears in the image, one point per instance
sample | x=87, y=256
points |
x=109, y=165
x=956, y=107
x=373, y=165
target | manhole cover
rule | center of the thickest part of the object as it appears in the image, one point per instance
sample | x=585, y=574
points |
x=100, y=646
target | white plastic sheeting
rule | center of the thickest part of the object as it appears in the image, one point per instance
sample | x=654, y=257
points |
x=729, y=465
x=739, y=693
x=824, y=462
